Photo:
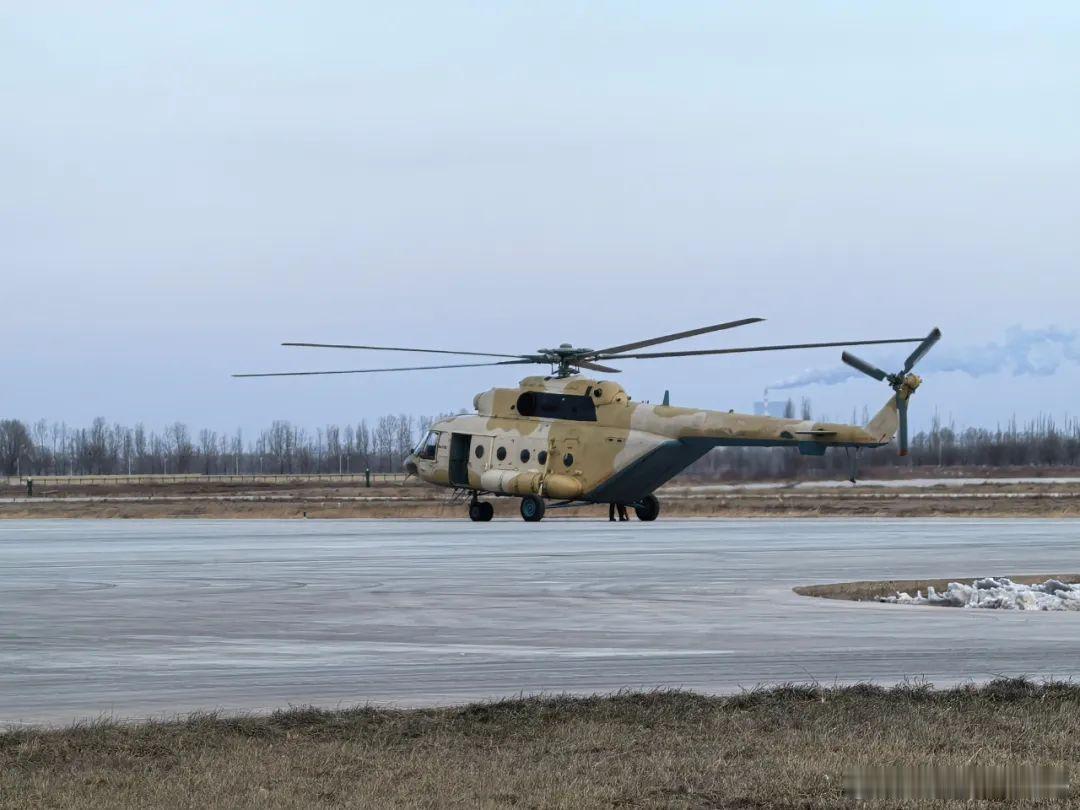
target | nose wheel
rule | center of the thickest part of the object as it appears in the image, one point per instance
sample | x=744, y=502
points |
x=481, y=511
x=532, y=508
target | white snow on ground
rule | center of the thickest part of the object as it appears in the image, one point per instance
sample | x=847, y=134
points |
x=999, y=594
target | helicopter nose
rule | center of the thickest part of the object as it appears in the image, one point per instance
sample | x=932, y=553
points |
x=409, y=464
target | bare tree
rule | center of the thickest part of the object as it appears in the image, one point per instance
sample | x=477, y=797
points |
x=208, y=450
x=179, y=446
x=16, y=446
x=403, y=440
x=237, y=449
x=363, y=443
x=279, y=445
x=385, y=431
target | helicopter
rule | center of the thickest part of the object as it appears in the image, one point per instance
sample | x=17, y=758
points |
x=563, y=440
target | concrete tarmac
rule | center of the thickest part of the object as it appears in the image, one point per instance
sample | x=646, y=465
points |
x=149, y=618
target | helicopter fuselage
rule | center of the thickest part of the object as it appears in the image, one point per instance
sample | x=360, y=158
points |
x=577, y=439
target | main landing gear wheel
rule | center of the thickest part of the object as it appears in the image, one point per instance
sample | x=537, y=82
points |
x=647, y=508
x=532, y=508
x=481, y=511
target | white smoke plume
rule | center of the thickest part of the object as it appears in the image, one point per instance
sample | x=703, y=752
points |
x=1035, y=352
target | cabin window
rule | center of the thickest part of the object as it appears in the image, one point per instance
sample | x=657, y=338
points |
x=427, y=448
x=542, y=457
x=557, y=406
x=568, y=459
x=500, y=454
x=479, y=451
x=524, y=456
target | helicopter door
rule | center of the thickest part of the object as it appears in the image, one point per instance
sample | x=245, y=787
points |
x=563, y=450
x=459, y=459
x=479, y=458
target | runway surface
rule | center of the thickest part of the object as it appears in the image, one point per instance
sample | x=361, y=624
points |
x=138, y=618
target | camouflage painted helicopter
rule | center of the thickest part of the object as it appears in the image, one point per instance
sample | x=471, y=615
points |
x=574, y=440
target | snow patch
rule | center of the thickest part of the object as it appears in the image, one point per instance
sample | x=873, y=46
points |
x=997, y=594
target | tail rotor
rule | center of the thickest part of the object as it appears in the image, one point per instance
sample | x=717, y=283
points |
x=902, y=382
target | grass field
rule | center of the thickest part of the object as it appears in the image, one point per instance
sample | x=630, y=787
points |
x=787, y=747
x=204, y=498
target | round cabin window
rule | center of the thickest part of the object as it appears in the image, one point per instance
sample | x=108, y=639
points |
x=479, y=451
x=568, y=459
x=542, y=457
x=500, y=454
x=524, y=456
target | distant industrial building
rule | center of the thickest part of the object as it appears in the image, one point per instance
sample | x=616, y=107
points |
x=777, y=408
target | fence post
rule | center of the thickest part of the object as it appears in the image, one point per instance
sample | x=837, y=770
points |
x=367, y=477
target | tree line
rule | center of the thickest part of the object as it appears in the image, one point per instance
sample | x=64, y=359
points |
x=41, y=448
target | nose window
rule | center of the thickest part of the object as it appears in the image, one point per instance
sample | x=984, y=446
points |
x=428, y=447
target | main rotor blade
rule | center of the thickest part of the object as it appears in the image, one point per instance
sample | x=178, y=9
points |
x=641, y=344
x=597, y=367
x=377, y=370
x=863, y=366
x=782, y=347
x=922, y=349
x=396, y=349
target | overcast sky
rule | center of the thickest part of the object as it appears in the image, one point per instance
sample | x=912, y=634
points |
x=183, y=187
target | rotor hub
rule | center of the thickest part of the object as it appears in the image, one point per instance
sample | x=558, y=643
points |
x=563, y=358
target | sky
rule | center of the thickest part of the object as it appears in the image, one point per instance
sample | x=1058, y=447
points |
x=185, y=186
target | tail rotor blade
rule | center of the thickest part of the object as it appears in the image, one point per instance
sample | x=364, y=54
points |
x=901, y=407
x=922, y=349
x=863, y=366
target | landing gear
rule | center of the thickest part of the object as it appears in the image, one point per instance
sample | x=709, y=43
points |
x=532, y=508
x=481, y=511
x=647, y=508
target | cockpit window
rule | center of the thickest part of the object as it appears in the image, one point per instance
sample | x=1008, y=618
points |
x=427, y=448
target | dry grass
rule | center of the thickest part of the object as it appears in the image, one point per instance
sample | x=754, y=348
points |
x=870, y=590
x=778, y=748
x=508, y=511
x=333, y=499
x=434, y=504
